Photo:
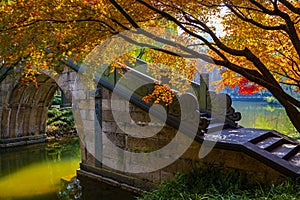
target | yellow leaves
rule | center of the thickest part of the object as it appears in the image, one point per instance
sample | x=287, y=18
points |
x=72, y=28
x=29, y=76
x=177, y=70
x=273, y=47
x=161, y=93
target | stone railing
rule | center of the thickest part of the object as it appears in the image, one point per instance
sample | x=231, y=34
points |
x=143, y=85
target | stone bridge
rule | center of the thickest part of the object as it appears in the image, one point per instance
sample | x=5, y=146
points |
x=102, y=122
x=23, y=110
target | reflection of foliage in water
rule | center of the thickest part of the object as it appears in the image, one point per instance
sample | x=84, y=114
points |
x=270, y=108
x=70, y=190
x=272, y=100
x=266, y=116
x=34, y=171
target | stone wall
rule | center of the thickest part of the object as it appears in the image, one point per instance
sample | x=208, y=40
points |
x=189, y=161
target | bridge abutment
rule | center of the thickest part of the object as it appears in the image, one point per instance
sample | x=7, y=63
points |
x=115, y=171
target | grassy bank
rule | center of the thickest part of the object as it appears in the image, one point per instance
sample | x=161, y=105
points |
x=212, y=184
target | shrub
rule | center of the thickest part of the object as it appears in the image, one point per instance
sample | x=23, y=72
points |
x=212, y=184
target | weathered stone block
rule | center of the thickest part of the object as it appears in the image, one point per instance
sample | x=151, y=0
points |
x=140, y=116
x=120, y=105
x=85, y=104
x=87, y=114
x=90, y=159
x=5, y=122
x=141, y=144
x=136, y=130
x=79, y=94
x=167, y=133
x=180, y=165
x=192, y=152
x=117, y=139
x=107, y=116
x=106, y=94
x=109, y=127
x=121, y=116
x=165, y=176
x=106, y=105
x=153, y=176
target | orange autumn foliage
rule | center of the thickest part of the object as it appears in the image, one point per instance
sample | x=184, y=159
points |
x=259, y=48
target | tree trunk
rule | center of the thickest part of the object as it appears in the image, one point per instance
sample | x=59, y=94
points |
x=292, y=112
x=294, y=115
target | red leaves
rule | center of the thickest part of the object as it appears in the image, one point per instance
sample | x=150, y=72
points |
x=246, y=90
x=246, y=87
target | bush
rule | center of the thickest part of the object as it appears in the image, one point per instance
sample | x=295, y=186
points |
x=212, y=184
x=60, y=121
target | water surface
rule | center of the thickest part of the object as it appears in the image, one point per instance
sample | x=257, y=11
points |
x=35, y=171
x=266, y=116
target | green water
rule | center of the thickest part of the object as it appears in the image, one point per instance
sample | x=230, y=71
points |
x=35, y=172
x=266, y=116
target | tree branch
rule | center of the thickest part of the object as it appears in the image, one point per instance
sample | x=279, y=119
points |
x=56, y=21
x=291, y=31
x=263, y=9
x=290, y=6
x=255, y=23
x=125, y=14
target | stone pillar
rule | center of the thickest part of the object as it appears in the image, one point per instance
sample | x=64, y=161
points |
x=39, y=119
x=5, y=122
x=32, y=121
x=27, y=111
x=20, y=121
x=12, y=121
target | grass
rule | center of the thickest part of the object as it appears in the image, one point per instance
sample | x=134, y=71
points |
x=212, y=184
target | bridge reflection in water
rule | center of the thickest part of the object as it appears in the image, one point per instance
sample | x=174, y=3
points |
x=35, y=172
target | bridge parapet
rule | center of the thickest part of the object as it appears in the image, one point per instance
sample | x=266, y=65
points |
x=211, y=106
x=231, y=150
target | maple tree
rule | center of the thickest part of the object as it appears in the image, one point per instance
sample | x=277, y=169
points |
x=260, y=48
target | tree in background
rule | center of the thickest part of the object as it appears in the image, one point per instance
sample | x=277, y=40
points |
x=260, y=49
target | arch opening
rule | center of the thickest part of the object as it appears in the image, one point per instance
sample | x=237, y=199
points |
x=24, y=110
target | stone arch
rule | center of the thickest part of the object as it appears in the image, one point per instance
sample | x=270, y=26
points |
x=24, y=109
